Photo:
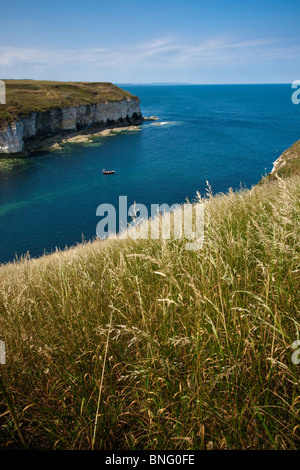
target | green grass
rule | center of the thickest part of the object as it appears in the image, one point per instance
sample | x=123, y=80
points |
x=145, y=345
x=288, y=164
x=25, y=96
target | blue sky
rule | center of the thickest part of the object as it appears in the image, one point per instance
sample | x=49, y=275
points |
x=228, y=41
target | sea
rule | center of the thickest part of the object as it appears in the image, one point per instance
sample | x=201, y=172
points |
x=226, y=136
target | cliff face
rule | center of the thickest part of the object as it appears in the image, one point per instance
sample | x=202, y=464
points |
x=20, y=134
x=288, y=163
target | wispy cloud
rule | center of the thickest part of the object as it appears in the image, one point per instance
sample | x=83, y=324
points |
x=166, y=53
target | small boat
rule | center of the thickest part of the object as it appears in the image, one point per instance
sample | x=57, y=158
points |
x=108, y=172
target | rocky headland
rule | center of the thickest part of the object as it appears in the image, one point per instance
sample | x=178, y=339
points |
x=287, y=164
x=38, y=121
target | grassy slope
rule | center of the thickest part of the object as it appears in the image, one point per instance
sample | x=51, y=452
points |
x=24, y=96
x=287, y=164
x=198, y=347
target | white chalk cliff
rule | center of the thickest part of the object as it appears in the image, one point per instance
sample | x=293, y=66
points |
x=20, y=134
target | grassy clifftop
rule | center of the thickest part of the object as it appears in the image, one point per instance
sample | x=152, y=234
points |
x=287, y=164
x=143, y=344
x=25, y=96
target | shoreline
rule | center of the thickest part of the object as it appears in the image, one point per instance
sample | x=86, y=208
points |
x=56, y=142
x=86, y=135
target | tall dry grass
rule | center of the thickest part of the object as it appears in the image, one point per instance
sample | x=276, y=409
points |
x=146, y=345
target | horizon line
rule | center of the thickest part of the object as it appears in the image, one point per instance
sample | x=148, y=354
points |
x=199, y=84
x=153, y=83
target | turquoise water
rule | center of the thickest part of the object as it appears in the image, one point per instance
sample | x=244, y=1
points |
x=228, y=135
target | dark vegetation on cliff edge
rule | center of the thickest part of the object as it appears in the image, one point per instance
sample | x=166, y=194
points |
x=25, y=96
x=143, y=344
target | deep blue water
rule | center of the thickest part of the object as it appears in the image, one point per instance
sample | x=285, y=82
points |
x=228, y=135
